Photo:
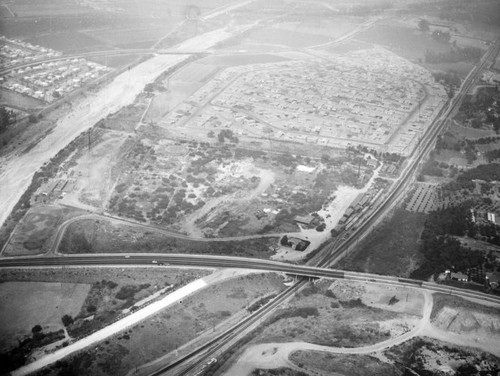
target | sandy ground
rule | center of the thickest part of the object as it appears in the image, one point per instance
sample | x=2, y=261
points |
x=275, y=355
x=16, y=173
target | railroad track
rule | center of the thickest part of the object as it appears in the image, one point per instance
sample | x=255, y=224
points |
x=419, y=154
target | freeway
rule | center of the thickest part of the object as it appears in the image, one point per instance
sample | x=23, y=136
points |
x=330, y=254
x=233, y=262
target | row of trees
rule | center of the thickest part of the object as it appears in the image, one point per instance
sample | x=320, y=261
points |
x=440, y=248
x=6, y=117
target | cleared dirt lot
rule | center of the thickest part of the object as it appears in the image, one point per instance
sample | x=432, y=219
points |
x=26, y=304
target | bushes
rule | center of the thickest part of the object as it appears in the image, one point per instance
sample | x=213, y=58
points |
x=353, y=303
x=128, y=292
x=67, y=320
x=303, y=312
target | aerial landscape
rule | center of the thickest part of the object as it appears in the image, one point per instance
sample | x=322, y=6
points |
x=249, y=187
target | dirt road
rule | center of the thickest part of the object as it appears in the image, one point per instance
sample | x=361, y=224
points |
x=275, y=355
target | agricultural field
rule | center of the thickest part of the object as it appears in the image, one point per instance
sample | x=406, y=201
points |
x=166, y=333
x=423, y=199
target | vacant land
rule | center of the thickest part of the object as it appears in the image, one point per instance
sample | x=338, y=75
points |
x=101, y=236
x=343, y=364
x=407, y=42
x=26, y=304
x=173, y=327
x=391, y=249
x=91, y=299
x=462, y=316
x=34, y=233
x=318, y=316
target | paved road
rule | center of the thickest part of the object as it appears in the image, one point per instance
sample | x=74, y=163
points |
x=112, y=329
x=235, y=262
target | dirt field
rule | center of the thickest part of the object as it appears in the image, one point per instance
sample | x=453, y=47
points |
x=26, y=304
x=465, y=323
x=33, y=235
x=343, y=364
x=94, y=169
x=175, y=326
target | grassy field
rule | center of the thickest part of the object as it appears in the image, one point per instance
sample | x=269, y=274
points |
x=69, y=42
x=89, y=236
x=43, y=296
x=404, y=41
x=173, y=327
x=34, y=232
x=21, y=101
x=26, y=304
x=352, y=365
x=391, y=248
x=295, y=39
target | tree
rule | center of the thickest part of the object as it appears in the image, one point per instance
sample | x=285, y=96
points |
x=423, y=25
x=284, y=240
x=36, y=329
x=67, y=320
x=496, y=125
x=220, y=136
x=4, y=119
x=441, y=36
